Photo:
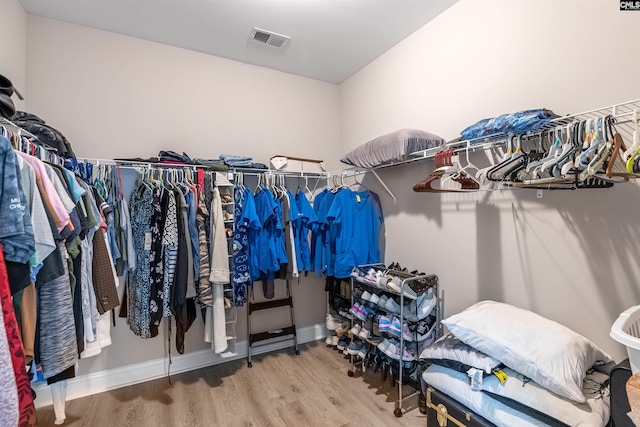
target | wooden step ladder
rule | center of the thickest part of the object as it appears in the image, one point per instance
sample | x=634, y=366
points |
x=286, y=332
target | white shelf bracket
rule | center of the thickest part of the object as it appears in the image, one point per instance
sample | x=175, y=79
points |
x=395, y=201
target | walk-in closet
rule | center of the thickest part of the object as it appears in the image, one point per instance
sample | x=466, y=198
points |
x=320, y=213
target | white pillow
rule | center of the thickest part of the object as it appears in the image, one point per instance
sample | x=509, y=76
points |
x=520, y=390
x=452, y=353
x=550, y=354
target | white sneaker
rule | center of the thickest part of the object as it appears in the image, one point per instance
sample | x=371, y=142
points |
x=334, y=340
x=364, y=334
x=374, y=299
x=395, y=284
x=355, y=331
x=331, y=322
x=366, y=296
x=329, y=340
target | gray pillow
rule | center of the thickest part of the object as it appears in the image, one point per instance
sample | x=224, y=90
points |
x=452, y=353
x=395, y=146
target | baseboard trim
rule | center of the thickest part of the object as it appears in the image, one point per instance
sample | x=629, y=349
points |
x=99, y=382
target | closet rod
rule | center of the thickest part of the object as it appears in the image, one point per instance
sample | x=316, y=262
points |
x=22, y=132
x=289, y=174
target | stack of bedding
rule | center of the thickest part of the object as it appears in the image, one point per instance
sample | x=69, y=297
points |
x=516, y=368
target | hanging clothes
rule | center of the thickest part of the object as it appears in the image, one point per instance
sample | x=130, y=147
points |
x=204, y=286
x=220, y=274
x=305, y=223
x=246, y=226
x=27, y=412
x=139, y=291
x=357, y=219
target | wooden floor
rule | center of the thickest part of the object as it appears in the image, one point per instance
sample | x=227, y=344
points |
x=281, y=389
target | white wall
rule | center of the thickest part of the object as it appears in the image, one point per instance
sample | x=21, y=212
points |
x=13, y=47
x=116, y=96
x=571, y=256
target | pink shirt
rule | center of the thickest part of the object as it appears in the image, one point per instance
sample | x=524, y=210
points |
x=49, y=194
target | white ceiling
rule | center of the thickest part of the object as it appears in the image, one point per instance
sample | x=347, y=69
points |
x=330, y=39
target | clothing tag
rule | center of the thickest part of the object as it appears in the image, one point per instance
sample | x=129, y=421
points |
x=475, y=379
x=500, y=374
x=147, y=241
x=358, y=198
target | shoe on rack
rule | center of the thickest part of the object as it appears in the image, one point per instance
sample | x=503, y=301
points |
x=392, y=306
x=329, y=340
x=382, y=301
x=408, y=355
x=342, y=343
x=383, y=345
x=383, y=323
x=395, y=284
x=374, y=298
x=395, y=328
x=408, y=292
x=342, y=328
x=363, y=352
x=393, y=350
x=360, y=312
x=332, y=322
x=365, y=296
x=354, y=347
x=355, y=330
x=375, y=331
x=406, y=333
x=375, y=340
x=364, y=333
x=334, y=341
x=346, y=314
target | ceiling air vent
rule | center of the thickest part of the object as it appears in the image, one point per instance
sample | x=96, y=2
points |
x=269, y=38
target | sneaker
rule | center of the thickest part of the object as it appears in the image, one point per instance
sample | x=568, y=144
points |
x=329, y=340
x=406, y=333
x=366, y=296
x=334, y=341
x=395, y=284
x=383, y=323
x=383, y=345
x=395, y=328
x=376, y=326
x=364, y=333
x=421, y=307
x=355, y=330
x=392, y=306
x=392, y=350
x=360, y=312
x=374, y=299
x=408, y=292
x=408, y=355
x=352, y=309
x=354, y=347
x=368, y=323
x=375, y=340
x=342, y=343
x=382, y=301
x=332, y=322
x=362, y=353
x=346, y=314
x=427, y=306
x=342, y=328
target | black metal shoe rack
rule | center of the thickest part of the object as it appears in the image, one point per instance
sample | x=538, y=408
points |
x=436, y=329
